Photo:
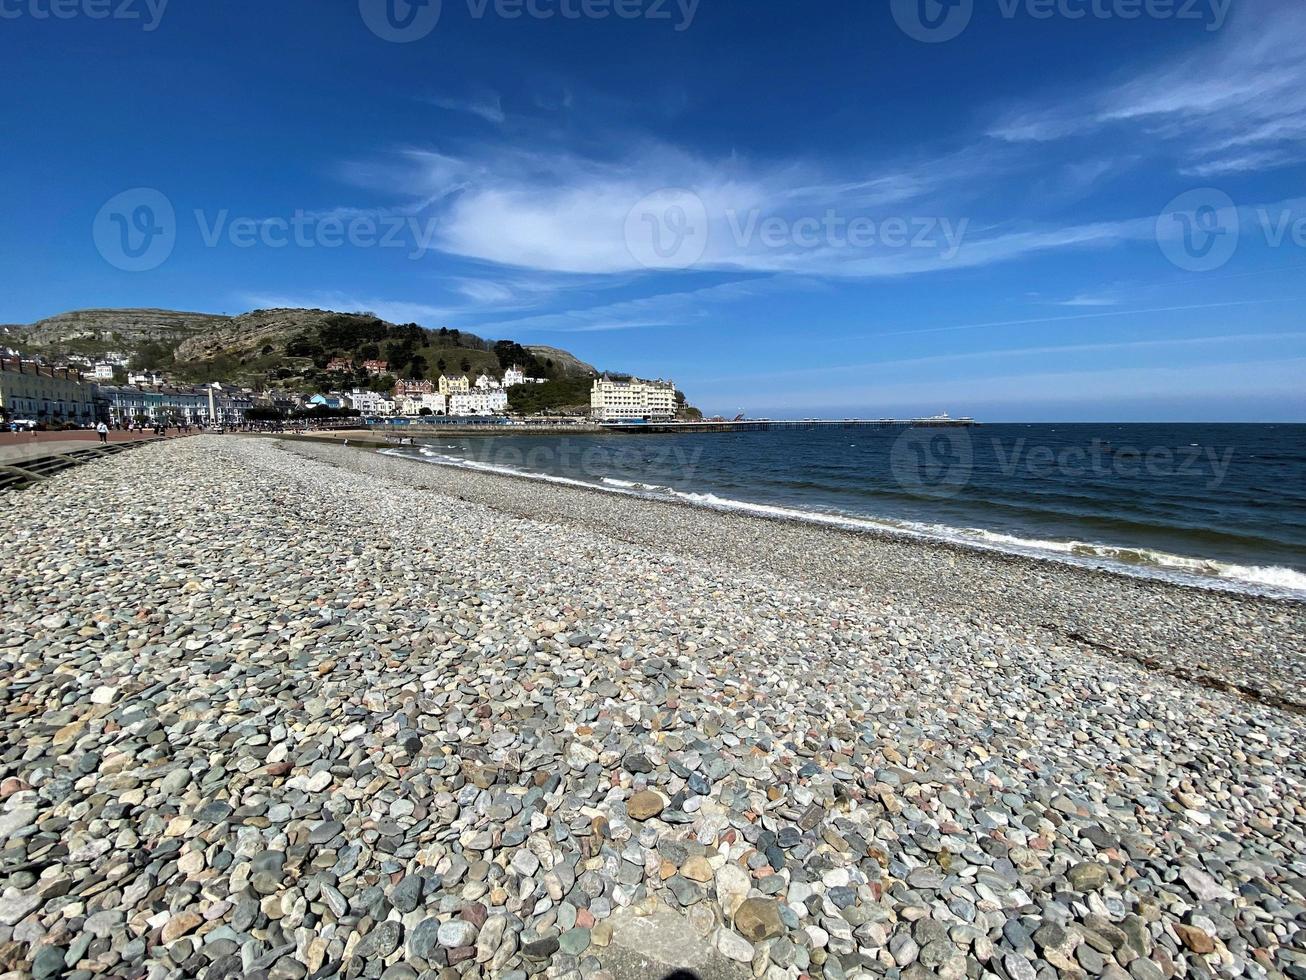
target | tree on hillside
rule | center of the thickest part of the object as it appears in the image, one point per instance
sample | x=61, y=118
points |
x=347, y=333
x=440, y=365
x=303, y=345
x=510, y=352
x=400, y=354
x=465, y=365
x=552, y=396
x=151, y=355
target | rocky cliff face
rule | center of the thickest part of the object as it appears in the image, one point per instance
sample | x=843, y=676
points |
x=564, y=361
x=249, y=333
x=127, y=326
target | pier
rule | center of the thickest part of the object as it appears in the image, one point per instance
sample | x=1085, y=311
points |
x=767, y=425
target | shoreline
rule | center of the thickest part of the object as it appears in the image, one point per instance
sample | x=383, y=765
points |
x=1212, y=651
x=318, y=712
x=886, y=529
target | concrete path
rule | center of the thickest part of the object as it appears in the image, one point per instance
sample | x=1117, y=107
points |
x=25, y=446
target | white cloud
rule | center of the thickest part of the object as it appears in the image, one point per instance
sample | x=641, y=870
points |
x=1085, y=299
x=487, y=105
x=564, y=213
x=664, y=309
x=1236, y=105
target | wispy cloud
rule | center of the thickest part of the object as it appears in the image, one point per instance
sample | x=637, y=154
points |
x=662, y=310
x=1098, y=390
x=1235, y=106
x=1008, y=353
x=563, y=212
x=1086, y=299
x=486, y=104
x=1030, y=321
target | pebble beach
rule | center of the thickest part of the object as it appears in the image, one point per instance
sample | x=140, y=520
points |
x=281, y=709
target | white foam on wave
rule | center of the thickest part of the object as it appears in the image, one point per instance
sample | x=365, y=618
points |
x=1271, y=580
x=641, y=488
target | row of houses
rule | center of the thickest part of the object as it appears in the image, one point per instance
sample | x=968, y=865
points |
x=480, y=401
x=38, y=392
x=211, y=404
x=29, y=390
x=447, y=395
x=611, y=400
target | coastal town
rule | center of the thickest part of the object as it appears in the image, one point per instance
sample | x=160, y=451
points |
x=78, y=393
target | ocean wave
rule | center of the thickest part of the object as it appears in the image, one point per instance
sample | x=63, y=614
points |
x=1270, y=580
x=655, y=488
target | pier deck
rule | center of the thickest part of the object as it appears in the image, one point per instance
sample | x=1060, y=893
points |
x=766, y=425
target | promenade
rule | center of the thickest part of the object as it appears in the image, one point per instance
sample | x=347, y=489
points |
x=20, y=446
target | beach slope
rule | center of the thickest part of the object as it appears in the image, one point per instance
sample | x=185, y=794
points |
x=286, y=710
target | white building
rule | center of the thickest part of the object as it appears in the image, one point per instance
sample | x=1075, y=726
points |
x=436, y=402
x=513, y=376
x=632, y=401
x=146, y=378
x=485, y=381
x=44, y=394
x=367, y=402
x=103, y=371
x=482, y=401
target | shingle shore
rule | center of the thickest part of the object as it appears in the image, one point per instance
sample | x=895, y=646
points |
x=1209, y=636
x=266, y=716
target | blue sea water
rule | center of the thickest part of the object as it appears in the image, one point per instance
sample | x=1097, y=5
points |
x=1215, y=504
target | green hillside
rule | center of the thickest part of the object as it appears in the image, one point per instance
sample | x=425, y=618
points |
x=291, y=348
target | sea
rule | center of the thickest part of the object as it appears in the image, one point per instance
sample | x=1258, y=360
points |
x=1217, y=505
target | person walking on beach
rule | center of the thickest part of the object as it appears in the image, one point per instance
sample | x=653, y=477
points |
x=103, y=430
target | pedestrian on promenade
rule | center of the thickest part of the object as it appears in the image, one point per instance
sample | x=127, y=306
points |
x=103, y=430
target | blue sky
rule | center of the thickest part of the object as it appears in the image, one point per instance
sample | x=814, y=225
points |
x=1015, y=209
